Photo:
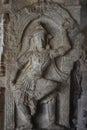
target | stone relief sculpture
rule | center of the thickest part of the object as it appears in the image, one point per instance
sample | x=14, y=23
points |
x=44, y=42
x=31, y=86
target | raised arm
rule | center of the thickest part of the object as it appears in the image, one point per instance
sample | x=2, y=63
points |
x=60, y=44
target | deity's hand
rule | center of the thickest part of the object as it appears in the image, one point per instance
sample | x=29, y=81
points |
x=56, y=53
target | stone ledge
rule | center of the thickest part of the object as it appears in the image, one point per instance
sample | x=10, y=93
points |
x=7, y=7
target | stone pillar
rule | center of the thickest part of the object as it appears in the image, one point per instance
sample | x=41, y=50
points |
x=1, y=35
x=82, y=113
x=9, y=111
x=9, y=105
x=9, y=101
x=82, y=103
x=2, y=91
x=1, y=44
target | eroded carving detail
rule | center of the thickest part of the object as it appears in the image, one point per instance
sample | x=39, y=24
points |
x=43, y=46
x=30, y=85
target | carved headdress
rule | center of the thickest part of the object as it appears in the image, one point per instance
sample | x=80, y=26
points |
x=34, y=32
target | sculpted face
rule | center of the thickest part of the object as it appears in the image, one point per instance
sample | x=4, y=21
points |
x=38, y=39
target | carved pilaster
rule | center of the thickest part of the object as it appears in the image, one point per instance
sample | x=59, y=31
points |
x=9, y=123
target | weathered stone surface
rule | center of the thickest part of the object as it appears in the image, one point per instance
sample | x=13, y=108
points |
x=45, y=79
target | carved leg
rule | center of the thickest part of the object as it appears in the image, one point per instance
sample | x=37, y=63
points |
x=46, y=94
x=24, y=116
x=63, y=106
x=45, y=87
x=23, y=112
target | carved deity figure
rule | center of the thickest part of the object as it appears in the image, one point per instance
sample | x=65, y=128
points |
x=29, y=84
